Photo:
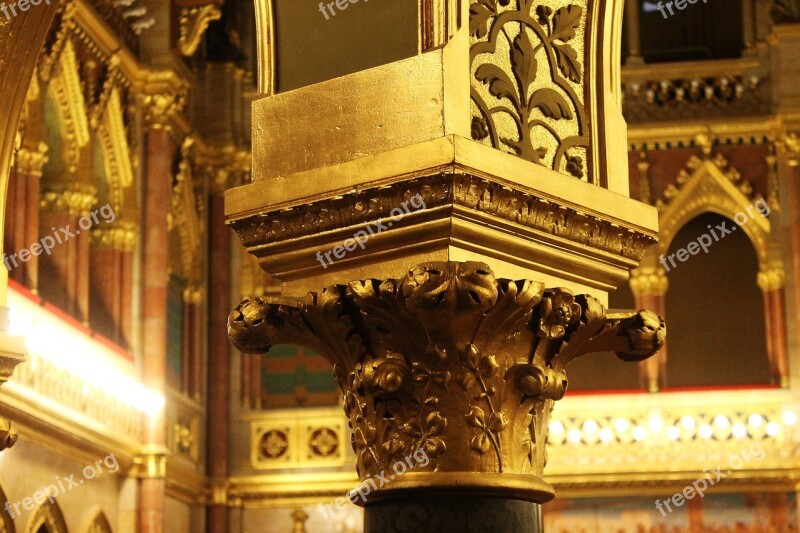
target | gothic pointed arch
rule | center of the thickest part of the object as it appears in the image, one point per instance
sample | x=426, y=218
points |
x=6, y=522
x=99, y=524
x=49, y=516
x=711, y=184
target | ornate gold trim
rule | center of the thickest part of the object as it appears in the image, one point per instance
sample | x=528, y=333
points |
x=545, y=118
x=265, y=30
x=113, y=138
x=30, y=162
x=163, y=95
x=448, y=189
x=193, y=23
x=438, y=22
x=186, y=220
x=49, y=515
x=99, y=524
x=151, y=463
x=773, y=278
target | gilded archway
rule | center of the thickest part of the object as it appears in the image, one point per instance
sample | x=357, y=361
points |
x=711, y=184
x=49, y=515
x=6, y=522
x=99, y=524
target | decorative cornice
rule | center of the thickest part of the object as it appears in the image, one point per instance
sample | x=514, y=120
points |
x=451, y=361
x=448, y=189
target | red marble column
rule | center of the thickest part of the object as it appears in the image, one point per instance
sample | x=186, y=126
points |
x=219, y=289
x=789, y=171
x=58, y=276
x=155, y=258
x=777, y=348
x=196, y=389
x=12, y=212
x=126, y=295
x=108, y=283
x=186, y=344
x=18, y=208
x=649, y=287
x=82, y=272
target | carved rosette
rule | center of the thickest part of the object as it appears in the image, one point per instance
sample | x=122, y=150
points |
x=452, y=361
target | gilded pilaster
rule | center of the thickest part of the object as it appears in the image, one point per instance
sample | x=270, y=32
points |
x=162, y=101
x=499, y=157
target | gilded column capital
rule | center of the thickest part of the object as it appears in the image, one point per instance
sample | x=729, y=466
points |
x=121, y=237
x=76, y=200
x=451, y=361
x=772, y=278
x=218, y=491
x=30, y=161
x=151, y=463
x=194, y=295
x=163, y=99
x=789, y=144
x=649, y=281
x=225, y=165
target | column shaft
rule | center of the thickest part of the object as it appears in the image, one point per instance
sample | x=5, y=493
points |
x=219, y=288
x=158, y=179
x=32, y=233
x=17, y=212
